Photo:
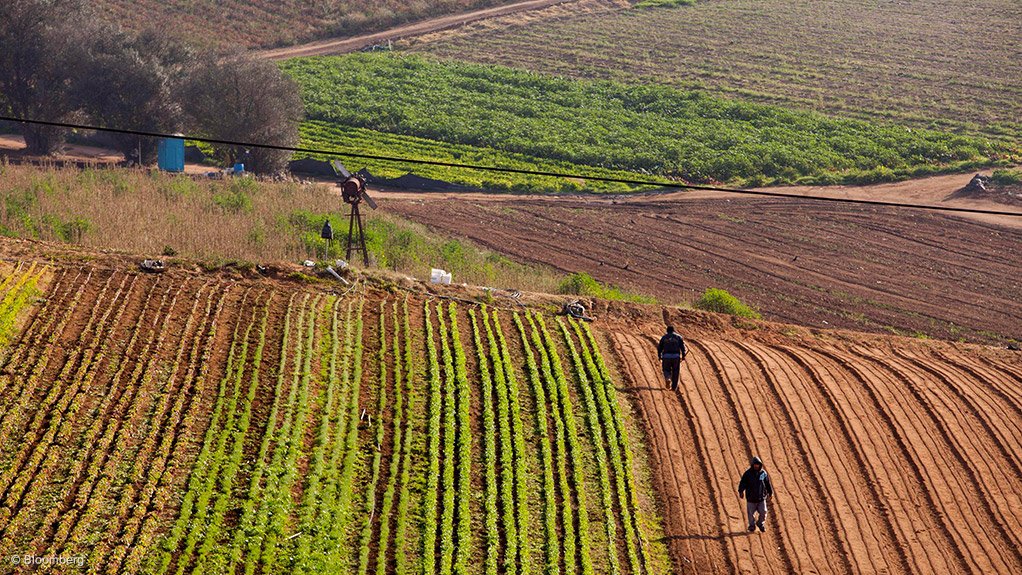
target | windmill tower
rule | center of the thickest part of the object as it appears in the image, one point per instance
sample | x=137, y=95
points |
x=353, y=192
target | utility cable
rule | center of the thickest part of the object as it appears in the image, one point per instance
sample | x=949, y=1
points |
x=608, y=179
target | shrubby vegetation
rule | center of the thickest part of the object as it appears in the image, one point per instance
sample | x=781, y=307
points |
x=1007, y=177
x=720, y=301
x=58, y=63
x=664, y=3
x=229, y=220
x=583, y=284
x=645, y=129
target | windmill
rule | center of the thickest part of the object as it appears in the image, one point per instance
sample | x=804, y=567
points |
x=353, y=192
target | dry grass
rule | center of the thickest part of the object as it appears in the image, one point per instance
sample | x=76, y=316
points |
x=229, y=220
x=947, y=63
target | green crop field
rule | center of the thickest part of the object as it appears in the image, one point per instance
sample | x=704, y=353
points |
x=178, y=424
x=644, y=129
x=953, y=64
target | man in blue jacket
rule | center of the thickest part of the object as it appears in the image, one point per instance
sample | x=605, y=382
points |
x=671, y=353
x=756, y=488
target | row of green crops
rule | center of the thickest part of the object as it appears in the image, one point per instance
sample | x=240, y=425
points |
x=324, y=433
x=17, y=290
x=642, y=129
x=32, y=462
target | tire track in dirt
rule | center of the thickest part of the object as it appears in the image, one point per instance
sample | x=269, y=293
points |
x=688, y=534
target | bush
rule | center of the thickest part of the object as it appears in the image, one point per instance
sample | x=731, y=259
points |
x=584, y=284
x=1007, y=177
x=720, y=301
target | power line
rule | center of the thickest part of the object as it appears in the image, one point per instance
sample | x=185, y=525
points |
x=397, y=159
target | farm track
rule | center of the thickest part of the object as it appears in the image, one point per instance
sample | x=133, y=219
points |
x=352, y=44
x=890, y=456
x=795, y=261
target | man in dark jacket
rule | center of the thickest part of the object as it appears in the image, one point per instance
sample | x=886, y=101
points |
x=755, y=486
x=671, y=353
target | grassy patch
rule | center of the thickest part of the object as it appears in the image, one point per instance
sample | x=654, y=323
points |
x=583, y=284
x=234, y=223
x=645, y=129
x=1007, y=177
x=720, y=301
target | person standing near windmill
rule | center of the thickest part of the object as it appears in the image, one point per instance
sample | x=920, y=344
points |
x=671, y=353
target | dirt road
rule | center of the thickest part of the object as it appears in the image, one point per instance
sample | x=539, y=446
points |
x=351, y=44
x=888, y=455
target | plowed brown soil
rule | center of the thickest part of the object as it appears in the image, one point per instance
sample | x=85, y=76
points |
x=889, y=455
x=873, y=269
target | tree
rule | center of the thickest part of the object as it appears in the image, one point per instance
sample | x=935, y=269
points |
x=134, y=82
x=37, y=40
x=239, y=98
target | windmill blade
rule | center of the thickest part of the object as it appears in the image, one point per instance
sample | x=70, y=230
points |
x=369, y=201
x=340, y=169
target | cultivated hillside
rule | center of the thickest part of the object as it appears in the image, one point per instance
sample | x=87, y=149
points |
x=889, y=455
x=924, y=63
x=204, y=422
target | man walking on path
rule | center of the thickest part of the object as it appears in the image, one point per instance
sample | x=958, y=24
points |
x=671, y=353
x=755, y=486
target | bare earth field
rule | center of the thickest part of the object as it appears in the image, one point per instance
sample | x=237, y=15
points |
x=866, y=268
x=888, y=455
x=950, y=64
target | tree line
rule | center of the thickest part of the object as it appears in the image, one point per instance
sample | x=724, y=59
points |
x=60, y=63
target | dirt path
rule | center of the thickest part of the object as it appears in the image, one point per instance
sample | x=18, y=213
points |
x=888, y=455
x=344, y=45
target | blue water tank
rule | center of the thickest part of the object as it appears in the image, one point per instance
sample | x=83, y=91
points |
x=171, y=154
